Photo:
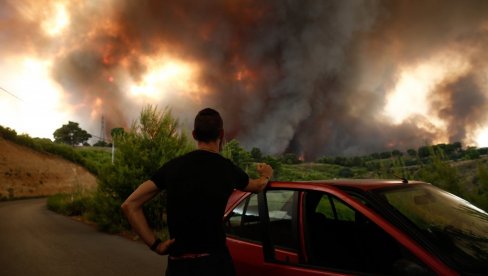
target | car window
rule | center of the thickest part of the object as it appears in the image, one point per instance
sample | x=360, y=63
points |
x=454, y=225
x=333, y=208
x=243, y=221
x=339, y=237
x=281, y=206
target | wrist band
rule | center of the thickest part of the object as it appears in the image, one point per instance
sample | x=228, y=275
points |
x=155, y=244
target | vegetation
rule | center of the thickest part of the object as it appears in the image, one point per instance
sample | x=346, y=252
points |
x=448, y=166
x=91, y=159
x=150, y=142
x=69, y=204
x=71, y=134
x=155, y=138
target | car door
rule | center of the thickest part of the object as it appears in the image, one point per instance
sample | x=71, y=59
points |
x=243, y=229
x=300, y=231
x=283, y=236
x=264, y=235
x=343, y=233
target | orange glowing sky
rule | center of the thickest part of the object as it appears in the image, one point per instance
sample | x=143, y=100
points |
x=32, y=102
x=36, y=101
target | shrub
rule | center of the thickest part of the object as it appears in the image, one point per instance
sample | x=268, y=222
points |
x=440, y=173
x=106, y=213
x=151, y=141
x=69, y=204
x=8, y=133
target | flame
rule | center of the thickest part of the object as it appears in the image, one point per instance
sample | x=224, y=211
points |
x=482, y=137
x=56, y=19
x=246, y=79
x=270, y=67
x=409, y=98
x=53, y=17
x=243, y=74
x=168, y=75
x=97, y=109
x=410, y=95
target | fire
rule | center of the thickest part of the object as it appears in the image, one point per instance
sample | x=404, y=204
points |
x=411, y=93
x=306, y=68
x=410, y=97
x=167, y=76
x=97, y=109
x=53, y=16
x=481, y=137
x=244, y=74
x=57, y=21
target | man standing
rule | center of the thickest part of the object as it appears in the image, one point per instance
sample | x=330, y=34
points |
x=198, y=185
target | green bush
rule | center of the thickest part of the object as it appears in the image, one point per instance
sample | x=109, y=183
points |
x=45, y=145
x=440, y=173
x=69, y=204
x=106, y=213
x=8, y=133
x=151, y=141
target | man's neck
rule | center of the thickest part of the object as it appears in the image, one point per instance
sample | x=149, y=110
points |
x=210, y=146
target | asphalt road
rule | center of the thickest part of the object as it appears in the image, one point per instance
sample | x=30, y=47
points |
x=36, y=241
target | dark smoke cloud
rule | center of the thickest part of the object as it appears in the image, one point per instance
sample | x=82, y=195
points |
x=463, y=104
x=304, y=76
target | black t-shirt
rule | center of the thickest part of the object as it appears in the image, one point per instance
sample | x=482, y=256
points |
x=198, y=186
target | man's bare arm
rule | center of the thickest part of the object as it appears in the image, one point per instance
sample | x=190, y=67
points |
x=132, y=208
x=257, y=185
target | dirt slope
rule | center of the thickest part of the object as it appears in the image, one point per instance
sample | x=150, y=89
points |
x=27, y=173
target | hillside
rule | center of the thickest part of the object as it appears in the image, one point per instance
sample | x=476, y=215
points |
x=28, y=173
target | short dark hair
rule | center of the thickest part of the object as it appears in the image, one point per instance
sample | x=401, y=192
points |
x=208, y=125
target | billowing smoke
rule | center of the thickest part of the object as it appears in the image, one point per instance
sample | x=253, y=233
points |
x=305, y=76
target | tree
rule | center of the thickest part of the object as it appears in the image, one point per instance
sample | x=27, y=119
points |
x=101, y=143
x=118, y=131
x=237, y=154
x=483, y=151
x=424, y=151
x=151, y=141
x=71, y=134
x=396, y=153
x=472, y=153
x=376, y=155
x=339, y=160
x=412, y=152
x=275, y=164
x=385, y=155
x=439, y=172
x=290, y=158
x=256, y=154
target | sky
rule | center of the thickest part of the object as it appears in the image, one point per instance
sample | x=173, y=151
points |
x=315, y=78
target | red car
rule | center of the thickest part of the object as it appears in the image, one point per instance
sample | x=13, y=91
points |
x=351, y=227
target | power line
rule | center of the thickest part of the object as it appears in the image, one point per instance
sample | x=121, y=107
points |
x=102, y=133
x=11, y=94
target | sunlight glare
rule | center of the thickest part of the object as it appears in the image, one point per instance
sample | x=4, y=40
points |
x=38, y=111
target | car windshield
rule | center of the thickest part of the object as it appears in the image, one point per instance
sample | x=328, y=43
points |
x=454, y=225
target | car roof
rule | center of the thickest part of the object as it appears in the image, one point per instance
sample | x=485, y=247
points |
x=362, y=184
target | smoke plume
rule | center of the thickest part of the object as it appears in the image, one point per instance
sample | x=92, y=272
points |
x=303, y=76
